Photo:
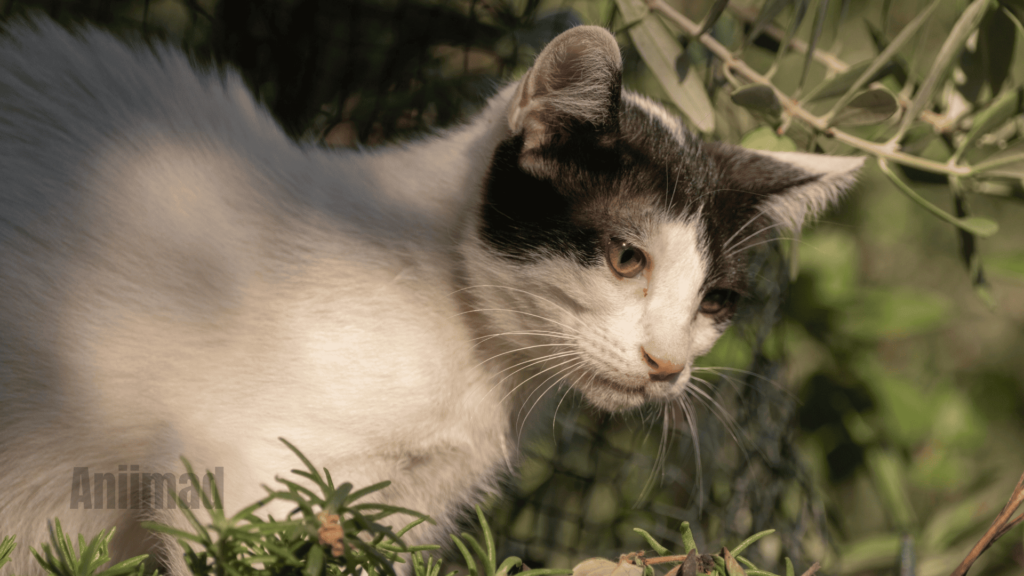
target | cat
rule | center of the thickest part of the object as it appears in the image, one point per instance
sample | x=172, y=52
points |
x=178, y=277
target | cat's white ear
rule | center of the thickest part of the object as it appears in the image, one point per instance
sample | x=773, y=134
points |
x=787, y=187
x=830, y=178
x=576, y=81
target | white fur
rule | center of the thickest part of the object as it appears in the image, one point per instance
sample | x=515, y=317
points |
x=178, y=278
x=837, y=174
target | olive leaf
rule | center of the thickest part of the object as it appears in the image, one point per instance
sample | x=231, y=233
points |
x=869, y=107
x=661, y=52
x=1001, y=109
x=840, y=84
x=758, y=97
x=713, y=15
x=765, y=138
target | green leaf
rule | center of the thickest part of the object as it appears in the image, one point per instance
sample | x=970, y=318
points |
x=759, y=98
x=819, y=25
x=765, y=138
x=768, y=12
x=990, y=62
x=632, y=10
x=884, y=58
x=6, y=548
x=965, y=25
x=869, y=107
x=998, y=111
x=713, y=15
x=314, y=561
x=654, y=544
x=660, y=51
x=840, y=84
x=466, y=555
x=492, y=555
x=746, y=543
x=686, y=535
x=508, y=564
x=1007, y=163
x=976, y=225
x=789, y=567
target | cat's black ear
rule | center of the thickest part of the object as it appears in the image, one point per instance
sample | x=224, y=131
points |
x=786, y=187
x=575, y=83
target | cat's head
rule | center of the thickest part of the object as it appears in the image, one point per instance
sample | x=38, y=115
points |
x=610, y=247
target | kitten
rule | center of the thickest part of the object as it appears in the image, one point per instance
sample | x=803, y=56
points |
x=177, y=277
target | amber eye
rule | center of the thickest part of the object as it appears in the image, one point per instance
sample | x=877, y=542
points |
x=717, y=301
x=625, y=259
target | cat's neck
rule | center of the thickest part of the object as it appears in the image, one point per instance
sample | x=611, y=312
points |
x=436, y=181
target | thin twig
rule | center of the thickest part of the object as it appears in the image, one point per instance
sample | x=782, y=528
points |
x=664, y=559
x=832, y=62
x=813, y=569
x=794, y=108
x=1001, y=525
x=826, y=59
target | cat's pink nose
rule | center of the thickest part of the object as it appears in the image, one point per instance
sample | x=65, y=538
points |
x=661, y=369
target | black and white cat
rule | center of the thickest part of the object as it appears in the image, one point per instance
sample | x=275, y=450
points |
x=177, y=277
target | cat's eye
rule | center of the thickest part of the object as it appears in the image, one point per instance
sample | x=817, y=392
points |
x=625, y=259
x=717, y=301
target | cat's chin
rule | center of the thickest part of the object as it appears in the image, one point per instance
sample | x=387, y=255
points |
x=612, y=395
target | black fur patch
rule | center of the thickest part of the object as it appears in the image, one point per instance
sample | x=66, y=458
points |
x=588, y=186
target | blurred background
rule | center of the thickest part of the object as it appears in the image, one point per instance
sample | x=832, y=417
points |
x=871, y=405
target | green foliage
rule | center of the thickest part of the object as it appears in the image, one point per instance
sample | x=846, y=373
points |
x=245, y=544
x=909, y=388
x=59, y=557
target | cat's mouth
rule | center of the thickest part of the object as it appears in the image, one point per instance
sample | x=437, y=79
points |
x=610, y=394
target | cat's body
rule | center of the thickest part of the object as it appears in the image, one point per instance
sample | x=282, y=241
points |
x=178, y=278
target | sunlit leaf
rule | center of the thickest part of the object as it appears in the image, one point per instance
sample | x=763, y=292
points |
x=660, y=51
x=758, y=97
x=872, y=106
x=765, y=138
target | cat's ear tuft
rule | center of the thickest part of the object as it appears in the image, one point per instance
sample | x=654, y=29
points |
x=787, y=187
x=575, y=81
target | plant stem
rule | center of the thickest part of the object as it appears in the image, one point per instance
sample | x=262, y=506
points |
x=826, y=59
x=792, y=106
x=1000, y=526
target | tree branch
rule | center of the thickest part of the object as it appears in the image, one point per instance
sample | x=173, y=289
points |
x=792, y=107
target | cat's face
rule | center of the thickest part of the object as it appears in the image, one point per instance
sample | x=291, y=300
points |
x=611, y=245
